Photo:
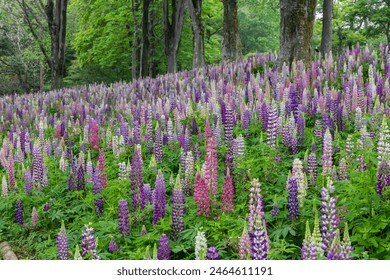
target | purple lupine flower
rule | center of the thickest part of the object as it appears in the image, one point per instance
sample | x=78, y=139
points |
x=62, y=243
x=213, y=253
x=292, y=188
x=327, y=159
x=334, y=252
x=293, y=102
x=71, y=182
x=148, y=194
x=245, y=245
x=329, y=218
x=19, y=212
x=123, y=217
x=158, y=152
x=305, y=249
x=136, y=179
x=293, y=144
x=159, y=198
x=124, y=131
x=312, y=168
x=28, y=181
x=136, y=133
x=317, y=129
x=99, y=204
x=80, y=178
x=164, y=252
x=260, y=246
x=382, y=175
x=301, y=128
x=34, y=217
x=113, y=246
x=46, y=207
x=346, y=247
x=88, y=243
x=178, y=209
x=272, y=125
x=264, y=117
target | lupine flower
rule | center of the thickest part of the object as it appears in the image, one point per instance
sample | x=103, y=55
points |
x=19, y=212
x=312, y=168
x=11, y=172
x=80, y=178
x=102, y=166
x=227, y=194
x=159, y=198
x=147, y=255
x=297, y=172
x=213, y=253
x=34, y=217
x=189, y=173
x=272, y=125
x=346, y=247
x=164, y=252
x=334, y=252
x=292, y=188
x=123, y=217
x=275, y=209
x=37, y=165
x=305, y=249
x=256, y=205
x=382, y=178
x=317, y=238
x=62, y=243
x=260, y=242
x=88, y=243
x=349, y=146
x=384, y=142
x=329, y=219
x=327, y=161
x=178, y=209
x=89, y=169
x=77, y=255
x=158, y=152
x=113, y=246
x=136, y=179
x=211, y=171
x=4, y=187
x=143, y=231
x=94, y=138
x=343, y=169
x=245, y=245
x=202, y=195
x=200, y=246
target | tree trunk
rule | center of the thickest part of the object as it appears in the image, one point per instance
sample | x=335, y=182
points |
x=326, y=40
x=195, y=12
x=296, y=30
x=172, y=31
x=56, y=19
x=231, y=44
x=135, y=47
x=145, y=47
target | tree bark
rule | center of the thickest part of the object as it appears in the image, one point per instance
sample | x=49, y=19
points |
x=145, y=46
x=56, y=19
x=296, y=30
x=326, y=40
x=172, y=31
x=195, y=12
x=231, y=44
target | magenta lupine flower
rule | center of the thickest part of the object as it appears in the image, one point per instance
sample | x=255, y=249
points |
x=312, y=168
x=102, y=168
x=178, y=209
x=123, y=217
x=158, y=151
x=11, y=172
x=260, y=245
x=34, y=217
x=207, y=129
x=202, y=195
x=62, y=243
x=256, y=205
x=329, y=218
x=272, y=125
x=164, y=252
x=327, y=160
x=94, y=137
x=245, y=245
x=113, y=246
x=213, y=253
x=211, y=171
x=227, y=194
x=136, y=179
x=19, y=212
x=292, y=188
x=88, y=243
x=159, y=198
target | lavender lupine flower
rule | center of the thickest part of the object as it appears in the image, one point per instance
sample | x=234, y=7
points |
x=382, y=175
x=292, y=188
x=159, y=198
x=136, y=179
x=148, y=194
x=334, y=252
x=62, y=243
x=178, y=209
x=327, y=159
x=264, y=117
x=113, y=246
x=158, y=152
x=34, y=217
x=99, y=204
x=349, y=146
x=164, y=252
x=358, y=119
x=305, y=249
x=329, y=219
x=293, y=144
x=213, y=253
x=318, y=129
x=272, y=125
x=11, y=171
x=19, y=212
x=312, y=168
x=123, y=217
x=80, y=178
x=260, y=243
x=4, y=187
x=343, y=169
x=228, y=127
x=346, y=247
x=88, y=243
x=245, y=245
x=256, y=205
x=89, y=169
x=200, y=245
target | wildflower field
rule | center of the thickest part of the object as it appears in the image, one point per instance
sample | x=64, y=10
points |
x=237, y=161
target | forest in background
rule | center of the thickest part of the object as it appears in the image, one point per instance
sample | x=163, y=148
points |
x=104, y=39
